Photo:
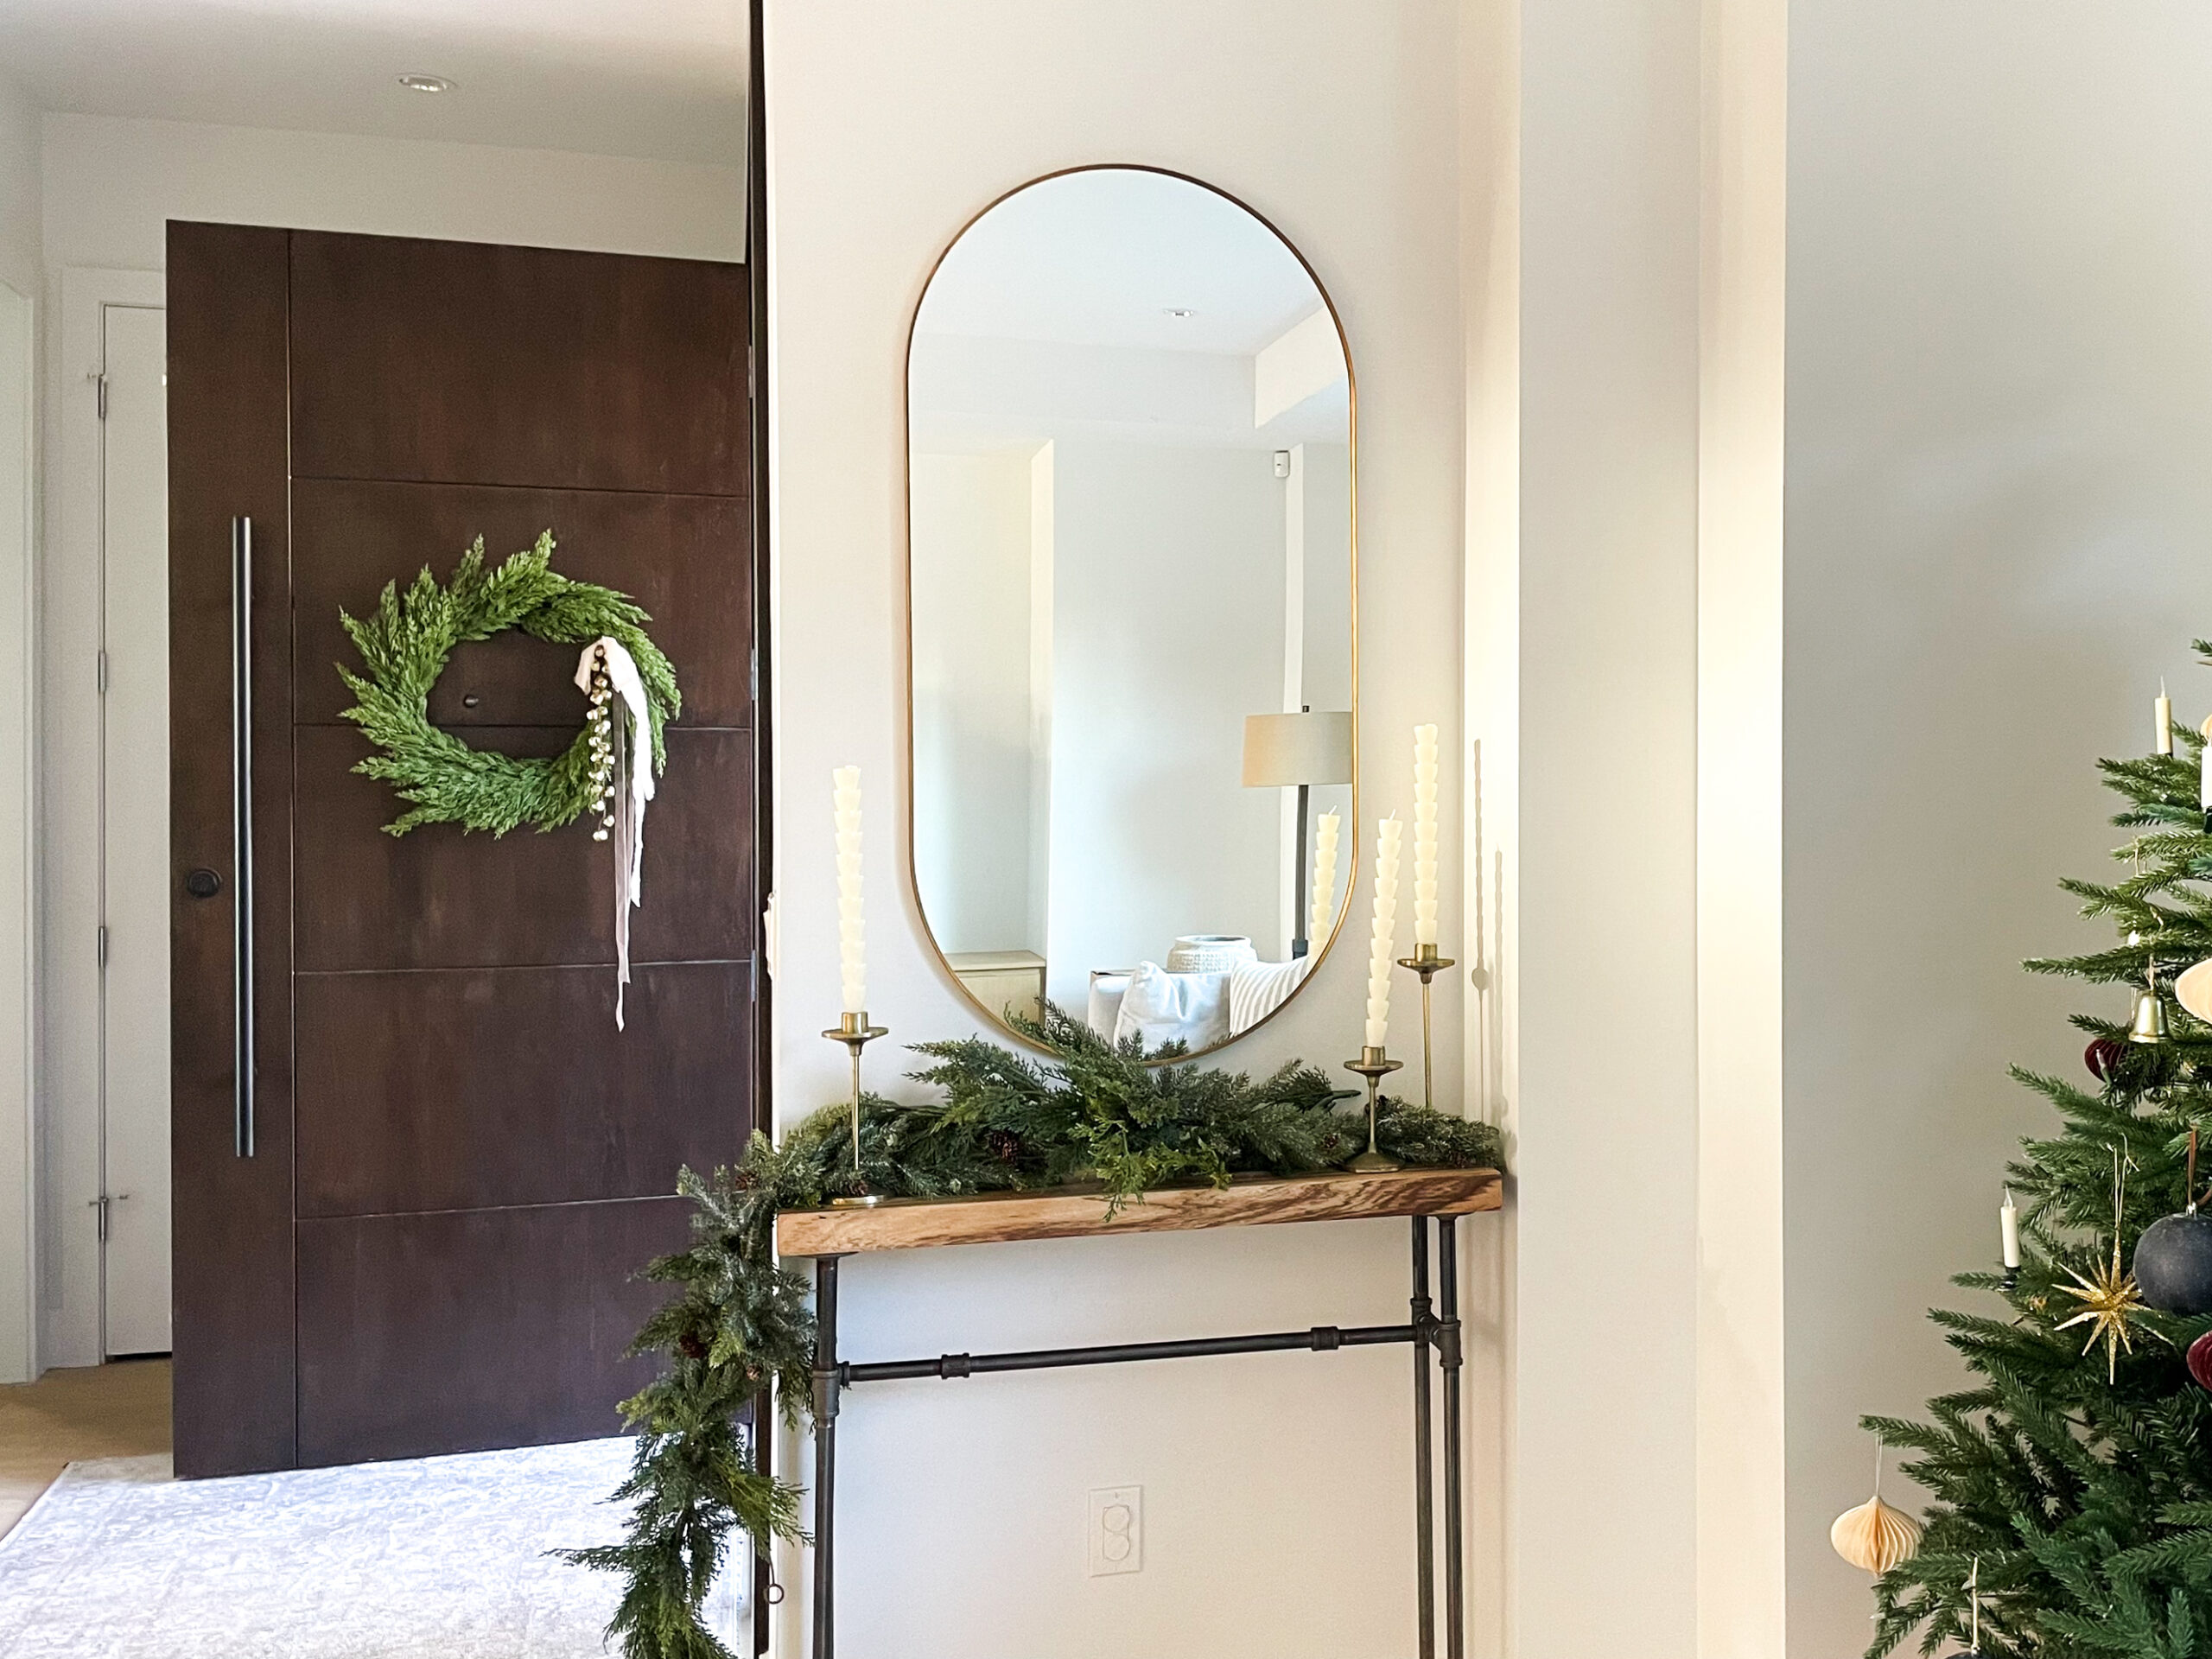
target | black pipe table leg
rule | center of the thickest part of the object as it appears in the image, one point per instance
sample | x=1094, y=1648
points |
x=1424, y=1465
x=825, y=1454
x=1449, y=1350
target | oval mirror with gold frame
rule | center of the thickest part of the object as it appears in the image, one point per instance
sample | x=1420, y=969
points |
x=1132, y=562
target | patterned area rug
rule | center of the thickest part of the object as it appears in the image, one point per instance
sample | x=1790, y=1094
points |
x=440, y=1556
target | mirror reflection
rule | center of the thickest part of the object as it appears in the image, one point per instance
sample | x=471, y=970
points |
x=1132, y=562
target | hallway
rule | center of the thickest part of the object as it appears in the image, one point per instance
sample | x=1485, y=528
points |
x=120, y=1410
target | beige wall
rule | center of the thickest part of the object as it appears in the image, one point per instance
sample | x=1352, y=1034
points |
x=1999, y=409
x=1277, y=1491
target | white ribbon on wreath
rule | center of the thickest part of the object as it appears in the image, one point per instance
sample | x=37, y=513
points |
x=630, y=786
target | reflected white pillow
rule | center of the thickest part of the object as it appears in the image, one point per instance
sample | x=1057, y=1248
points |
x=1257, y=989
x=1163, y=1008
x=1107, y=989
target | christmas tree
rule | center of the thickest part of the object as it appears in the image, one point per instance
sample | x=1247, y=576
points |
x=2075, y=1473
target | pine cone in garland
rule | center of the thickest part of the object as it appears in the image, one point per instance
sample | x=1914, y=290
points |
x=1004, y=1144
x=691, y=1347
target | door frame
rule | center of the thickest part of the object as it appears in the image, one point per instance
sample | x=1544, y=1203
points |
x=69, y=973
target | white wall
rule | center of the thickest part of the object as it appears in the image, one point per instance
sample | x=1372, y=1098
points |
x=1742, y=1444
x=110, y=184
x=1167, y=582
x=1278, y=1496
x=1999, y=407
x=19, y=189
x=1598, y=901
x=20, y=316
x=975, y=773
x=108, y=187
x=1318, y=579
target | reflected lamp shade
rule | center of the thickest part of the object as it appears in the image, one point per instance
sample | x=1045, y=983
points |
x=1281, y=751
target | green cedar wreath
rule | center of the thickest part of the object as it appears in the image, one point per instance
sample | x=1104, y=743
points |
x=404, y=644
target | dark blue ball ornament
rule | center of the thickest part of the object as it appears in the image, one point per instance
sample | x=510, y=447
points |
x=2173, y=1263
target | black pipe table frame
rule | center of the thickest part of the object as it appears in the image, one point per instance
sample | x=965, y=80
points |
x=1437, y=1196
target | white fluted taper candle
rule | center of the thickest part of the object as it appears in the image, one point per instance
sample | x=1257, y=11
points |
x=1382, y=948
x=2008, y=1229
x=852, y=926
x=1321, y=912
x=1425, y=770
x=2162, y=721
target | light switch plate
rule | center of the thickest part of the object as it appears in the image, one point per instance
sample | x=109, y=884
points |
x=1117, y=1529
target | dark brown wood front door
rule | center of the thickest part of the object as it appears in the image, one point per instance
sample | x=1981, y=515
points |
x=457, y=1163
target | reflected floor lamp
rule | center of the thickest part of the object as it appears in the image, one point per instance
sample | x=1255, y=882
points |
x=1297, y=752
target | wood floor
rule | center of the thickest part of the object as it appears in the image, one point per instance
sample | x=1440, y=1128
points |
x=120, y=1410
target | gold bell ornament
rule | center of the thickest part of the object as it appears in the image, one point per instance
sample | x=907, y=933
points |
x=2149, y=1025
x=1875, y=1537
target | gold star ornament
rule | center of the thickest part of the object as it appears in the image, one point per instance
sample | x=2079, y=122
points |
x=2110, y=1299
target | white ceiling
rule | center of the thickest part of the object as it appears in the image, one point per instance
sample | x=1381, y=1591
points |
x=1101, y=258
x=658, y=79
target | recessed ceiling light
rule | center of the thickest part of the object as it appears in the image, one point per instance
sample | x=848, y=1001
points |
x=432, y=84
x=1179, y=311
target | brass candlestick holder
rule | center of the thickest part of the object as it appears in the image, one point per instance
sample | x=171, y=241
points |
x=1425, y=963
x=854, y=1031
x=1375, y=1065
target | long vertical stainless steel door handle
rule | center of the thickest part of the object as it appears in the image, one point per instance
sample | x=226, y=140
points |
x=241, y=828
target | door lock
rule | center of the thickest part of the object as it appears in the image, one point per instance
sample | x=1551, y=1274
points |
x=203, y=884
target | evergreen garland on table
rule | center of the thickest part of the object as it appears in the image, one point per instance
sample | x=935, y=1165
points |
x=739, y=1322
x=2087, y=1502
x=404, y=644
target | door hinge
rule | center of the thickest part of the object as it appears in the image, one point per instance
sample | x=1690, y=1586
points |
x=101, y=1204
x=103, y=673
x=753, y=673
x=100, y=381
x=752, y=383
x=102, y=944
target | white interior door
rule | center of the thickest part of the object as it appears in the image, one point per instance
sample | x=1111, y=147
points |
x=135, y=833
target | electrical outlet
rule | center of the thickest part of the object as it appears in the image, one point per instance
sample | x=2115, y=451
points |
x=1117, y=1529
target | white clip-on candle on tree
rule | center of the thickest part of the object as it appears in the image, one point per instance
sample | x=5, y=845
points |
x=1373, y=1061
x=2205, y=771
x=2008, y=1227
x=1425, y=960
x=853, y=1030
x=2162, y=716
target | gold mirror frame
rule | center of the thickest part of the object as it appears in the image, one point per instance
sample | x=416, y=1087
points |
x=995, y=1021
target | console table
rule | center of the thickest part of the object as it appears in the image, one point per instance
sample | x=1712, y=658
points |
x=1438, y=1196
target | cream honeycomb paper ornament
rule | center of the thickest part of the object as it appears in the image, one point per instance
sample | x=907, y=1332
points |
x=1875, y=1537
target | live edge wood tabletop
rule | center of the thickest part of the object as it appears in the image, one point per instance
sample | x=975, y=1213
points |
x=1002, y=1217
x=1432, y=1197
